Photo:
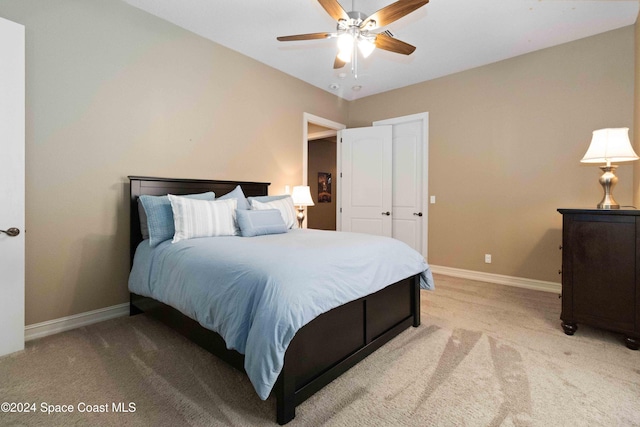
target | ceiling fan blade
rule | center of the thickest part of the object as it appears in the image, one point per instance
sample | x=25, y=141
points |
x=311, y=36
x=393, y=45
x=334, y=9
x=338, y=63
x=393, y=12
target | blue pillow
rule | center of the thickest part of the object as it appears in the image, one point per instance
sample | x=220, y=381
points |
x=160, y=216
x=258, y=223
x=142, y=215
x=237, y=193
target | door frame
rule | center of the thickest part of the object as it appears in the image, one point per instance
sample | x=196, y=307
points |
x=308, y=118
x=424, y=117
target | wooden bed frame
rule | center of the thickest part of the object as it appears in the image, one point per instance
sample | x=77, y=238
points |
x=324, y=348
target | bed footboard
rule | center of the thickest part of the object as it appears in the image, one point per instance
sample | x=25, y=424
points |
x=354, y=331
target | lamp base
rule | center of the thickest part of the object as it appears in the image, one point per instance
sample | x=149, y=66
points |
x=608, y=205
x=300, y=215
x=608, y=180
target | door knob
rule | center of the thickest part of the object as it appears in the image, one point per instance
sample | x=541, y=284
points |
x=418, y=214
x=11, y=232
x=386, y=213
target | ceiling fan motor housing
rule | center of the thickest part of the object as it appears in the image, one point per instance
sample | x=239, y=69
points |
x=355, y=20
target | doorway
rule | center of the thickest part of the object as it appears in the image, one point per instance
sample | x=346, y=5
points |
x=410, y=142
x=321, y=174
x=318, y=144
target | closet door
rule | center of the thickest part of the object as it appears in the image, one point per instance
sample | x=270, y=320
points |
x=384, y=183
x=409, y=213
x=367, y=180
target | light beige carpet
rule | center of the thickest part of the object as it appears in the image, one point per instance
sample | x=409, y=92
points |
x=485, y=355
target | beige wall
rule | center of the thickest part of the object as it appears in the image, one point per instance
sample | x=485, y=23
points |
x=505, y=143
x=113, y=91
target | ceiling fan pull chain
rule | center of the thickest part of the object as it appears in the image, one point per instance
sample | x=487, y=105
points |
x=354, y=60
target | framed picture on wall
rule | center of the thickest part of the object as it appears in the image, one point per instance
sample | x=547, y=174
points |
x=324, y=187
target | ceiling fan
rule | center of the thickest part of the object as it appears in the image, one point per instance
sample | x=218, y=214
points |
x=356, y=31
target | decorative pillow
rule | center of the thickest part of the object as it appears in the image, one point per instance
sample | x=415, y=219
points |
x=203, y=218
x=265, y=199
x=237, y=193
x=284, y=205
x=261, y=222
x=159, y=216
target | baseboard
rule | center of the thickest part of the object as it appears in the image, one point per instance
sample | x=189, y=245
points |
x=50, y=327
x=55, y=326
x=518, y=282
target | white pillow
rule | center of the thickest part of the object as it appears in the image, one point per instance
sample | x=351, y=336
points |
x=203, y=218
x=285, y=206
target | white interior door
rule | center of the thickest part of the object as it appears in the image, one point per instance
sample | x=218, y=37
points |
x=366, y=161
x=12, y=134
x=409, y=214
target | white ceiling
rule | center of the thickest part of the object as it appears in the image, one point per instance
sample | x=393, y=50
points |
x=450, y=35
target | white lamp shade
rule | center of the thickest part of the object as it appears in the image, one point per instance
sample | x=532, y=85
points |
x=610, y=145
x=366, y=46
x=301, y=196
x=345, y=47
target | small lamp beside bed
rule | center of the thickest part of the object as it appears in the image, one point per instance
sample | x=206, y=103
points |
x=301, y=196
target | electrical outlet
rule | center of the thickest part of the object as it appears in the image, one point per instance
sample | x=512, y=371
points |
x=487, y=258
x=432, y=200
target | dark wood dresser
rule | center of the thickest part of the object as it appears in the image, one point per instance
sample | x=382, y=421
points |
x=601, y=271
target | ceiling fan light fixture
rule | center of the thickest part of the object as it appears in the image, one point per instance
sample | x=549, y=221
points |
x=345, y=47
x=344, y=56
x=366, y=46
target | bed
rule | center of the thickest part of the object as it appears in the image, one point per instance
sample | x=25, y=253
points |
x=321, y=349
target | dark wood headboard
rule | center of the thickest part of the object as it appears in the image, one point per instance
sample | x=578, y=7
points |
x=144, y=185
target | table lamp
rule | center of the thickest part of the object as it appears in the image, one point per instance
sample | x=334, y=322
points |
x=609, y=145
x=301, y=196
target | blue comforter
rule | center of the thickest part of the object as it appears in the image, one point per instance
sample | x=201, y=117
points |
x=258, y=292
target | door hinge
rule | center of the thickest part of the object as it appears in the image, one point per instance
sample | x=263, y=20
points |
x=340, y=210
x=340, y=174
